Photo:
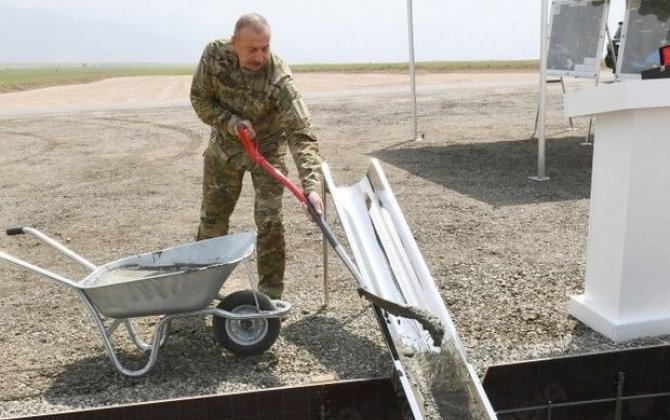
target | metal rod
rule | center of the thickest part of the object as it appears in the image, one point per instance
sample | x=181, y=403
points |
x=250, y=274
x=584, y=402
x=541, y=138
x=587, y=140
x=252, y=286
x=60, y=248
x=326, y=288
x=37, y=270
x=619, y=394
x=410, y=30
x=610, y=42
x=572, y=125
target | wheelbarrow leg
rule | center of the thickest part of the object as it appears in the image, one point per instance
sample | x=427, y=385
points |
x=141, y=344
x=159, y=336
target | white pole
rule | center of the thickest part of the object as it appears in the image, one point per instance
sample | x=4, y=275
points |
x=410, y=29
x=541, y=136
x=325, y=247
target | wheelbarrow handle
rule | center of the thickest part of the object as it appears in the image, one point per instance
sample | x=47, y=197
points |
x=53, y=243
x=39, y=270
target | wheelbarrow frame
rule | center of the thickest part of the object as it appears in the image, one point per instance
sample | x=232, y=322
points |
x=162, y=329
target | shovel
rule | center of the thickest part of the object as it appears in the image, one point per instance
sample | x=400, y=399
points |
x=427, y=320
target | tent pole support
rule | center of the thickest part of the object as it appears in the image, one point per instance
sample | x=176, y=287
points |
x=541, y=138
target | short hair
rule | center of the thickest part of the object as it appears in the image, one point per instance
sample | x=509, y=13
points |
x=253, y=20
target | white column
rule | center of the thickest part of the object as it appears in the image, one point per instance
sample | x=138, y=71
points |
x=627, y=285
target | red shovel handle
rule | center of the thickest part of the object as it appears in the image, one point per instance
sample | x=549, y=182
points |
x=251, y=148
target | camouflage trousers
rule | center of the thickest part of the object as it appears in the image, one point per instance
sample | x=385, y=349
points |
x=221, y=188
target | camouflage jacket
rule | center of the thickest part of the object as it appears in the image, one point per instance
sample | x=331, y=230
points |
x=221, y=93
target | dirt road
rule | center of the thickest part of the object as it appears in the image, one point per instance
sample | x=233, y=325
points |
x=169, y=91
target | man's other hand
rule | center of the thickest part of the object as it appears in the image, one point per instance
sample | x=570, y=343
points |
x=316, y=201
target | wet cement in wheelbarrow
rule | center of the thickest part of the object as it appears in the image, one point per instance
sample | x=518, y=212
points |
x=130, y=273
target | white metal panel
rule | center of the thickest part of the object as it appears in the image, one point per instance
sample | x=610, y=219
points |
x=392, y=267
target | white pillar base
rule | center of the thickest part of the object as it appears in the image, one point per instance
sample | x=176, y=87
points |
x=614, y=328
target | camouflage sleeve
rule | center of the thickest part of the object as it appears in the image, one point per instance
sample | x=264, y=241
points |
x=301, y=139
x=204, y=99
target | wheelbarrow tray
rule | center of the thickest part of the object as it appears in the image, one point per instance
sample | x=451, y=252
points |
x=181, y=279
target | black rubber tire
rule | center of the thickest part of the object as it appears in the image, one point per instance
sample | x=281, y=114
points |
x=246, y=337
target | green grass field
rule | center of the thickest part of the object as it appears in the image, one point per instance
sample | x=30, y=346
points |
x=18, y=77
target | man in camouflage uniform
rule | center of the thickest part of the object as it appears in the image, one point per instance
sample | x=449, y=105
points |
x=241, y=83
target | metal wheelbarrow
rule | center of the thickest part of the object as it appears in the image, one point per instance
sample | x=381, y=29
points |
x=172, y=283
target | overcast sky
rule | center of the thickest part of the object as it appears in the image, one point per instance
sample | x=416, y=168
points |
x=304, y=31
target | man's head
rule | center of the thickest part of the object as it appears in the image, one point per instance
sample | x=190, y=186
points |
x=252, y=41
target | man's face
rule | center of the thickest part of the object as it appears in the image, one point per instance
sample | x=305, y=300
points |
x=252, y=47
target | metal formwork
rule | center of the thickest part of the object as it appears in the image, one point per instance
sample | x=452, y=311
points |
x=392, y=268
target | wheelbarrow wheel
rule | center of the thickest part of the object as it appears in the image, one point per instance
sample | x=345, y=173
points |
x=246, y=337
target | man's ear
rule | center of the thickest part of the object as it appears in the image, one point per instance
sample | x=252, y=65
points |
x=233, y=41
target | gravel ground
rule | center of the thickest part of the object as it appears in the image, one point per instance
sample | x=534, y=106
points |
x=505, y=251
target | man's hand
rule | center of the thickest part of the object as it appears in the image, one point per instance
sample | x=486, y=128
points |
x=236, y=123
x=315, y=199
